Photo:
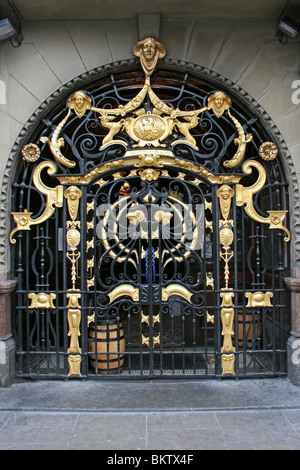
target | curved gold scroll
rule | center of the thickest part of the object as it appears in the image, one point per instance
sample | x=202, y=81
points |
x=56, y=143
x=244, y=195
x=54, y=197
x=124, y=289
x=175, y=289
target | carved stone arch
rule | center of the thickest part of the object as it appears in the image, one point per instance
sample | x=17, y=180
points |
x=198, y=71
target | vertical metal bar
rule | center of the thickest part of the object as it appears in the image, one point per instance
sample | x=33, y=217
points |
x=150, y=290
x=216, y=267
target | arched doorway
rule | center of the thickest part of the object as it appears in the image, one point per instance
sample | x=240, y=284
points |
x=150, y=226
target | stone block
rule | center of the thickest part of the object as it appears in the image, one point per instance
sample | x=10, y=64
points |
x=244, y=40
x=277, y=101
x=289, y=127
x=122, y=35
x=293, y=359
x=21, y=103
x=91, y=42
x=174, y=35
x=148, y=24
x=54, y=44
x=206, y=41
x=26, y=65
x=270, y=65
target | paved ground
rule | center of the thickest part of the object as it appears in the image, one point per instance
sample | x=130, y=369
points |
x=159, y=416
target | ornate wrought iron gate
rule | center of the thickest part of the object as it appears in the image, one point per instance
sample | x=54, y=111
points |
x=151, y=256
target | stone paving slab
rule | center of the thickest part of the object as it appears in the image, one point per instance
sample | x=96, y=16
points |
x=151, y=431
x=77, y=395
x=260, y=414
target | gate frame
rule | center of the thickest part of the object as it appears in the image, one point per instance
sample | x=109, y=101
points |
x=7, y=346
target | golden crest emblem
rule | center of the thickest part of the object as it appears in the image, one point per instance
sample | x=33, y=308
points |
x=148, y=129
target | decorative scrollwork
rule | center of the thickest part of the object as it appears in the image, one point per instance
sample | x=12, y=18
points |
x=244, y=196
x=54, y=197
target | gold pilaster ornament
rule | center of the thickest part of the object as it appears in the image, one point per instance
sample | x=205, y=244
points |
x=74, y=361
x=225, y=194
x=74, y=319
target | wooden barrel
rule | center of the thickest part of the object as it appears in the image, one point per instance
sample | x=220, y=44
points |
x=110, y=344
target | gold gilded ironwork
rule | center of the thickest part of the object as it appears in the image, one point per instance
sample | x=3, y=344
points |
x=145, y=318
x=163, y=216
x=149, y=50
x=114, y=128
x=90, y=319
x=225, y=193
x=227, y=299
x=54, y=197
x=227, y=317
x=155, y=318
x=268, y=151
x=219, y=102
x=80, y=102
x=73, y=194
x=90, y=244
x=226, y=238
x=244, y=196
x=155, y=158
x=145, y=340
x=136, y=217
x=149, y=129
x=228, y=361
x=124, y=289
x=90, y=225
x=153, y=127
x=209, y=279
x=74, y=364
x=259, y=299
x=156, y=340
x=56, y=143
x=90, y=283
x=175, y=289
x=149, y=174
x=210, y=318
x=41, y=300
x=74, y=319
x=90, y=263
x=31, y=153
x=73, y=298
